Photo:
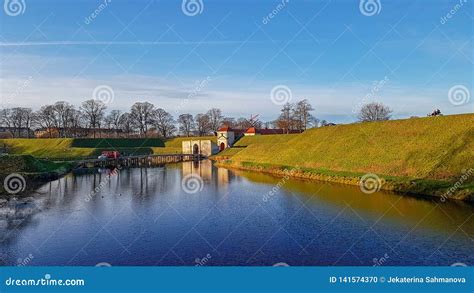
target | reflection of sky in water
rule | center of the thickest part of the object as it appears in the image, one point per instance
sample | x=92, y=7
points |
x=143, y=217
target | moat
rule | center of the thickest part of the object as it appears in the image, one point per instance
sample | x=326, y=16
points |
x=196, y=214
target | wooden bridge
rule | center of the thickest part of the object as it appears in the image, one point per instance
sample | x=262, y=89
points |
x=137, y=161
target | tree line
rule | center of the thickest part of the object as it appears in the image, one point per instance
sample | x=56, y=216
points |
x=144, y=119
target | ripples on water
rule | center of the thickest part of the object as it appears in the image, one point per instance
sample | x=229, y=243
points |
x=148, y=216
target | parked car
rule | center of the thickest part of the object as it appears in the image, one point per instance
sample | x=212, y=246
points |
x=110, y=154
x=102, y=157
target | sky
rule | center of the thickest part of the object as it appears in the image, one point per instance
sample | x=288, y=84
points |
x=245, y=57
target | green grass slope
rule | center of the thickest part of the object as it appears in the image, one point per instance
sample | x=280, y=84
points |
x=72, y=149
x=24, y=172
x=430, y=148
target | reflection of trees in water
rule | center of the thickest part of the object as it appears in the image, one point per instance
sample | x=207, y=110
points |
x=16, y=213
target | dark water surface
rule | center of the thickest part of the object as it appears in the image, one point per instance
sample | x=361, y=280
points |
x=167, y=216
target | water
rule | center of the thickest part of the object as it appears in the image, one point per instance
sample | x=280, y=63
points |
x=144, y=216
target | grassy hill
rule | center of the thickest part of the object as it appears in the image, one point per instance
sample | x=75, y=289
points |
x=32, y=170
x=71, y=149
x=431, y=148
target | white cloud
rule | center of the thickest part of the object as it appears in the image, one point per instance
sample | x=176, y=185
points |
x=234, y=95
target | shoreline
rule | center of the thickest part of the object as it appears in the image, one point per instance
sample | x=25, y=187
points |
x=417, y=187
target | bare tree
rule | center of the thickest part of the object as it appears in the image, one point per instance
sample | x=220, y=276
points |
x=202, y=124
x=113, y=120
x=285, y=121
x=45, y=118
x=62, y=115
x=186, y=124
x=6, y=118
x=164, y=122
x=302, y=116
x=126, y=123
x=94, y=111
x=141, y=114
x=75, y=123
x=215, y=118
x=21, y=119
x=374, y=112
x=229, y=121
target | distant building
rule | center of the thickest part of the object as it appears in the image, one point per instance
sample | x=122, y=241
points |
x=268, y=131
x=10, y=132
x=226, y=136
x=199, y=147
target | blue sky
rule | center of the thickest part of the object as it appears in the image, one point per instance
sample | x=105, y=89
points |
x=328, y=52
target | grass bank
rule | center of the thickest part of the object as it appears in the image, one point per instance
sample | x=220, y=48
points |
x=74, y=149
x=28, y=172
x=416, y=156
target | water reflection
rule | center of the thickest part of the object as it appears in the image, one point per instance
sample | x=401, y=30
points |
x=142, y=216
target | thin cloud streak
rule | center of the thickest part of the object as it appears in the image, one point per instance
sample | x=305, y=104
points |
x=121, y=43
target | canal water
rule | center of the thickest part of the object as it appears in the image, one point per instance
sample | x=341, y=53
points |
x=196, y=214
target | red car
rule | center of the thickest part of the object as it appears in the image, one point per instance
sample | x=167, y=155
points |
x=110, y=155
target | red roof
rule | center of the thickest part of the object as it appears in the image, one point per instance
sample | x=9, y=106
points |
x=227, y=128
x=224, y=128
x=253, y=130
